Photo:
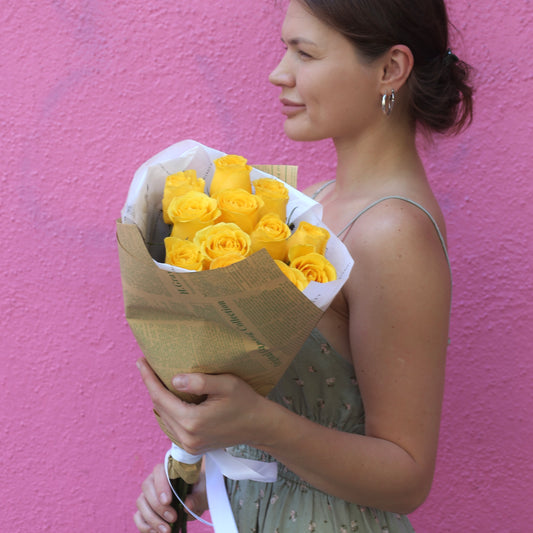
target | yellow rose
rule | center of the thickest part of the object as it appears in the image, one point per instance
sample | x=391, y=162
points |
x=307, y=233
x=299, y=249
x=271, y=233
x=226, y=260
x=295, y=276
x=315, y=267
x=274, y=194
x=231, y=172
x=191, y=212
x=240, y=207
x=178, y=184
x=184, y=254
x=223, y=238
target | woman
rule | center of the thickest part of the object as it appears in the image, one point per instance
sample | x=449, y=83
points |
x=369, y=380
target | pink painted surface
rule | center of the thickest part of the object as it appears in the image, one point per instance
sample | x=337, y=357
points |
x=90, y=90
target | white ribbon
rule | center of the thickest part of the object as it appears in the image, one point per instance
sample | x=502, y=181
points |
x=219, y=463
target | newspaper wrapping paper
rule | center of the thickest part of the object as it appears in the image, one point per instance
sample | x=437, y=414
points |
x=246, y=319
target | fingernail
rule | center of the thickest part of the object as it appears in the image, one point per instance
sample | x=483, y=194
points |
x=180, y=382
x=138, y=364
x=168, y=516
x=163, y=529
x=164, y=498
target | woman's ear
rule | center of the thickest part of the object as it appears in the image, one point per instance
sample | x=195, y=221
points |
x=397, y=66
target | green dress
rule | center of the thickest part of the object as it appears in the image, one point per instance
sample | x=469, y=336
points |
x=320, y=385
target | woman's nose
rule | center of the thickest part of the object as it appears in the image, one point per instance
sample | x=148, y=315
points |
x=281, y=75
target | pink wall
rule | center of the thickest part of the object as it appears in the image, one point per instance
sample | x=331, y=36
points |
x=90, y=90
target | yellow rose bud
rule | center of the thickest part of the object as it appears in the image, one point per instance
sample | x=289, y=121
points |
x=223, y=238
x=178, y=184
x=271, y=233
x=240, y=207
x=184, y=254
x=274, y=194
x=226, y=260
x=307, y=233
x=191, y=212
x=315, y=267
x=294, y=275
x=231, y=172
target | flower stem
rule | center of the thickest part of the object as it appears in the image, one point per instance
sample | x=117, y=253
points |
x=182, y=489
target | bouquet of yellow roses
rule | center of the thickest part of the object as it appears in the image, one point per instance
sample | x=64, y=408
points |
x=225, y=269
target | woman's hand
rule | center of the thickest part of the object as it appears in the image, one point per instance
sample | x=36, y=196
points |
x=154, y=512
x=232, y=413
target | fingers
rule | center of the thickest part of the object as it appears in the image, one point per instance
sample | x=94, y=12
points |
x=154, y=512
x=197, y=384
x=162, y=488
x=147, y=521
x=197, y=500
x=204, y=384
x=155, y=388
x=162, y=399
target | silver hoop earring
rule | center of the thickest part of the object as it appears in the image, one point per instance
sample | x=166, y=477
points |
x=387, y=102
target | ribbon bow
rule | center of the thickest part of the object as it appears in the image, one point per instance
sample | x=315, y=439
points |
x=220, y=464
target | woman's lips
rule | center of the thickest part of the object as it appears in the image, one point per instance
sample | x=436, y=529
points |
x=290, y=108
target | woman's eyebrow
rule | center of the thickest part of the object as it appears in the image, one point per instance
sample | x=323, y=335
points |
x=295, y=41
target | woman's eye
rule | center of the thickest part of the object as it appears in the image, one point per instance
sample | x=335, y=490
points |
x=304, y=55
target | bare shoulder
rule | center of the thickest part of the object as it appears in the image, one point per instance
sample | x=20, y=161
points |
x=399, y=257
x=396, y=228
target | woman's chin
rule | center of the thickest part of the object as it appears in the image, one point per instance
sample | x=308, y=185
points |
x=296, y=133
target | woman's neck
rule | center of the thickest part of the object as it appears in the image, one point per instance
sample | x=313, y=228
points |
x=377, y=161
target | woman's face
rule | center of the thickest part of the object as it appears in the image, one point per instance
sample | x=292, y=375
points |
x=327, y=91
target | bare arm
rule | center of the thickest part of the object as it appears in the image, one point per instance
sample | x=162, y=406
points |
x=398, y=298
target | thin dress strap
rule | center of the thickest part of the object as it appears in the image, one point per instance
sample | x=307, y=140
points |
x=321, y=188
x=412, y=202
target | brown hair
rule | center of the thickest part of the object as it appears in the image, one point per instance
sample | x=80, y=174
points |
x=440, y=96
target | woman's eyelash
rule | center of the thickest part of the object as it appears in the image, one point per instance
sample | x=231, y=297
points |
x=301, y=53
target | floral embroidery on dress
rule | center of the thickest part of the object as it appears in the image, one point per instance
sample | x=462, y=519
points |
x=330, y=382
x=324, y=348
x=293, y=516
x=311, y=369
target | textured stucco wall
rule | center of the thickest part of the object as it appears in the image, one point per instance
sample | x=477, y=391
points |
x=90, y=90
